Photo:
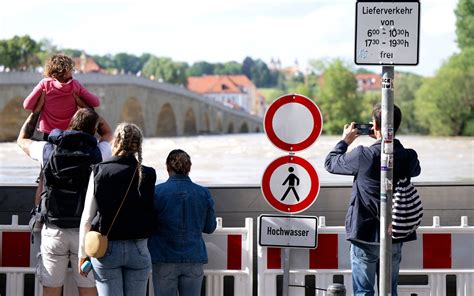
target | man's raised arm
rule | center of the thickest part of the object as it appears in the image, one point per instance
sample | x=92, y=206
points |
x=28, y=128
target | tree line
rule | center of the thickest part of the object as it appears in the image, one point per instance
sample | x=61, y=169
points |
x=440, y=105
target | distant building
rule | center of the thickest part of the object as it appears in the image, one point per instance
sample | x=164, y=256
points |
x=234, y=91
x=85, y=64
x=368, y=82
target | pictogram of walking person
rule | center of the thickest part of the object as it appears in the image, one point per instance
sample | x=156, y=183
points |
x=291, y=184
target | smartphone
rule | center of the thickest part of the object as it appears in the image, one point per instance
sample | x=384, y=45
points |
x=86, y=266
x=364, y=128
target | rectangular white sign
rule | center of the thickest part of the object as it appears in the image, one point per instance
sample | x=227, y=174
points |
x=288, y=231
x=387, y=33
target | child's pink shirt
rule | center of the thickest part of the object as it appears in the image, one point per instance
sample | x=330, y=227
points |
x=59, y=103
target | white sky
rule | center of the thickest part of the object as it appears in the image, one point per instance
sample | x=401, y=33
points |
x=218, y=30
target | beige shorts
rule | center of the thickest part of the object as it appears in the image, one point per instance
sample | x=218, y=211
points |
x=59, y=247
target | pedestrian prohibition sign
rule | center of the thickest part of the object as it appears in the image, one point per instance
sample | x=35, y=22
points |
x=293, y=122
x=290, y=184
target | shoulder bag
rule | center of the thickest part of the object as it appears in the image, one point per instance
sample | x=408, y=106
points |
x=407, y=209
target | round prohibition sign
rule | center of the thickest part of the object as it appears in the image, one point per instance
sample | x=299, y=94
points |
x=289, y=196
x=293, y=122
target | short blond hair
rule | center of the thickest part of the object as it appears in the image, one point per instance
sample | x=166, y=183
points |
x=58, y=66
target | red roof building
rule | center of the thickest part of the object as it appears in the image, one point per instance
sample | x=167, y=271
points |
x=234, y=91
x=368, y=82
x=85, y=64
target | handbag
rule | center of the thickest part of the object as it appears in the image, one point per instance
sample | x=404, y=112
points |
x=407, y=209
x=95, y=242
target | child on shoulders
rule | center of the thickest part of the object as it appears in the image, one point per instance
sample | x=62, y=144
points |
x=61, y=90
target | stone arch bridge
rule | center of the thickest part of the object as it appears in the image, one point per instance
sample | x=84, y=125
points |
x=160, y=109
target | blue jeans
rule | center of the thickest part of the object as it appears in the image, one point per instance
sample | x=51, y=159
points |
x=170, y=278
x=364, y=261
x=124, y=269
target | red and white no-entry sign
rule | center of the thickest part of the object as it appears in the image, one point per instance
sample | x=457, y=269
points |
x=293, y=122
x=290, y=184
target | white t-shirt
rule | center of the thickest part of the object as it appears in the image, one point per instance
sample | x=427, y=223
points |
x=37, y=148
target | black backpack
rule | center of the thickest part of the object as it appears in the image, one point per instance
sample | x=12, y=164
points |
x=66, y=176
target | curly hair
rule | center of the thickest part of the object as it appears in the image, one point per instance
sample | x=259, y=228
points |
x=129, y=138
x=179, y=162
x=58, y=66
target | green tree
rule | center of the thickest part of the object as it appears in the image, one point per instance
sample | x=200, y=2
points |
x=337, y=97
x=229, y=68
x=406, y=86
x=72, y=52
x=127, y=62
x=19, y=53
x=444, y=103
x=465, y=23
x=200, y=68
x=47, y=49
x=165, y=69
x=105, y=61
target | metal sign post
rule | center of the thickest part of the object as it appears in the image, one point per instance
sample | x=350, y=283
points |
x=386, y=179
x=387, y=34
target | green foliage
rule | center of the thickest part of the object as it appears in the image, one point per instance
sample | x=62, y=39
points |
x=369, y=99
x=200, y=68
x=259, y=73
x=363, y=71
x=229, y=68
x=337, y=97
x=75, y=53
x=47, y=49
x=406, y=86
x=19, y=53
x=445, y=102
x=105, y=61
x=271, y=94
x=165, y=69
x=127, y=62
x=465, y=23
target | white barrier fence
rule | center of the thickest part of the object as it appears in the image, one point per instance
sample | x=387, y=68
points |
x=439, y=262
x=230, y=252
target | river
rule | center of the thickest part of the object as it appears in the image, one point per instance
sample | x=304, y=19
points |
x=240, y=159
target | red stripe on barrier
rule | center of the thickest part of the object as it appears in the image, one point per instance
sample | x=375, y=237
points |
x=325, y=255
x=234, y=251
x=273, y=258
x=15, y=249
x=436, y=250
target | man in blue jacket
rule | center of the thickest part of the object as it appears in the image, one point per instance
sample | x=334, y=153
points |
x=363, y=214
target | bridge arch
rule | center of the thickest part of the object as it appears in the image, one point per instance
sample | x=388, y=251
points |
x=166, y=126
x=12, y=117
x=189, y=123
x=132, y=111
x=230, y=128
x=219, y=126
x=206, y=125
x=244, y=128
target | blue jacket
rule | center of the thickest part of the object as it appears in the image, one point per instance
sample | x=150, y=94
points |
x=184, y=210
x=362, y=219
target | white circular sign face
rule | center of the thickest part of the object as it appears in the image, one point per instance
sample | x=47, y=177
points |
x=291, y=182
x=302, y=123
x=293, y=122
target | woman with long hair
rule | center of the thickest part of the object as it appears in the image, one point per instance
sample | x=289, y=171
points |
x=125, y=267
